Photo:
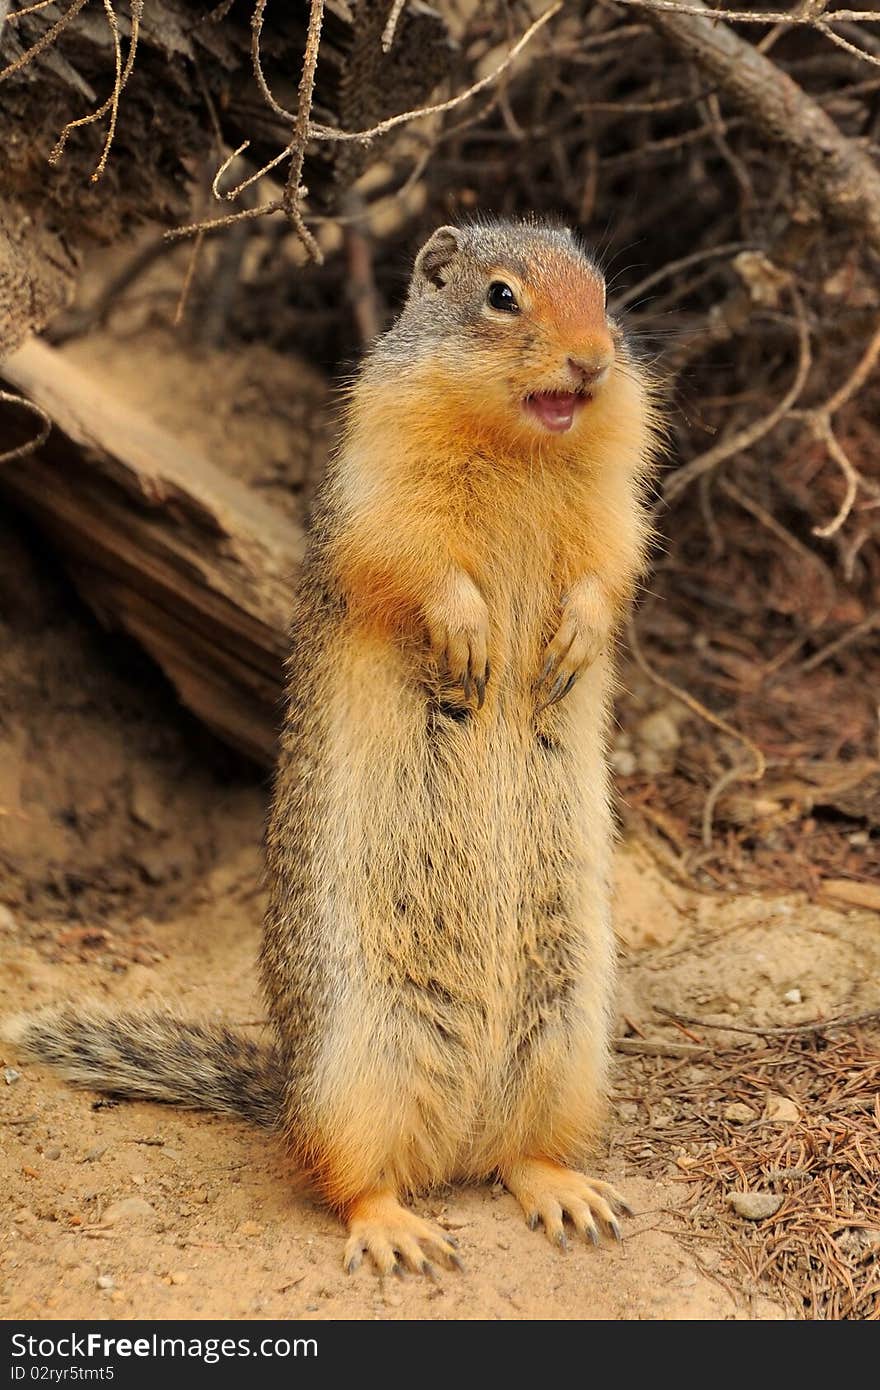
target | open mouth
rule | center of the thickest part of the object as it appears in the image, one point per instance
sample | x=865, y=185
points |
x=555, y=410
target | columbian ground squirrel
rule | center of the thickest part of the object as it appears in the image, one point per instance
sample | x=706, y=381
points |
x=438, y=958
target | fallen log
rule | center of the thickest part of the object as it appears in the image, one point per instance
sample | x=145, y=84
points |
x=162, y=544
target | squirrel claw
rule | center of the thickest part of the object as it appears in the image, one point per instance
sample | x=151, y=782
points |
x=551, y=1194
x=396, y=1239
x=583, y=631
x=458, y=632
x=558, y=690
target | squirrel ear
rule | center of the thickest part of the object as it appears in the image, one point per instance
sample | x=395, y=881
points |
x=436, y=254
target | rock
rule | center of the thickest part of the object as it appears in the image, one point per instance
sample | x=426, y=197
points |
x=7, y=921
x=147, y=800
x=624, y=762
x=178, y=1276
x=781, y=1109
x=738, y=1113
x=127, y=1210
x=106, y=1282
x=153, y=864
x=52, y=1152
x=250, y=1228
x=754, y=1206
x=793, y=996
x=659, y=732
x=10, y=1076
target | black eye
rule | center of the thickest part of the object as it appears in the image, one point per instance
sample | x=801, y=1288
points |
x=501, y=296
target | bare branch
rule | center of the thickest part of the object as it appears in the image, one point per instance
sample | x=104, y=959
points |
x=44, y=41
x=757, y=429
x=842, y=177
x=112, y=102
x=39, y=438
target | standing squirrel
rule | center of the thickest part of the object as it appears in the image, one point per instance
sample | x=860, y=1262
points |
x=438, y=957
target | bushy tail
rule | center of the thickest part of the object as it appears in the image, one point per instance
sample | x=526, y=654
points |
x=154, y=1056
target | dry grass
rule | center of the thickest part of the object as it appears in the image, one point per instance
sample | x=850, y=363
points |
x=821, y=1248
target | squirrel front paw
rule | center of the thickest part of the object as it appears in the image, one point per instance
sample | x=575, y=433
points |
x=457, y=620
x=584, y=629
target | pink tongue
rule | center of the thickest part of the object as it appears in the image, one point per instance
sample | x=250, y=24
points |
x=555, y=410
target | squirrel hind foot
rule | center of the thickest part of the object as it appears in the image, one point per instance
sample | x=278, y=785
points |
x=550, y=1193
x=395, y=1238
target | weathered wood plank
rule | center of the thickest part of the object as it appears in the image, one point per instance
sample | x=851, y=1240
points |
x=162, y=544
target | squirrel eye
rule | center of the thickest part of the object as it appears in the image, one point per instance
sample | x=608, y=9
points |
x=501, y=296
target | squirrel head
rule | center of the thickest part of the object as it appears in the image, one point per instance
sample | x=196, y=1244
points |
x=505, y=322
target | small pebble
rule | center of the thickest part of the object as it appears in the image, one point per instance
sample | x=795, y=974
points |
x=754, y=1206
x=624, y=762
x=94, y=1154
x=659, y=732
x=106, y=1281
x=781, y=1109
x=128, y=1209
x=250, y=1228
x=178, y=1277
x=738, y=1113
x=10, y=1076
x=52, y=1152
x=793, y=996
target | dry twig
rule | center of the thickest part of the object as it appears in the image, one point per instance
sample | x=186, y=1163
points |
x=40, y=437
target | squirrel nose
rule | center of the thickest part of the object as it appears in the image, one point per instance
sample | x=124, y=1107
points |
x=590, y=369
